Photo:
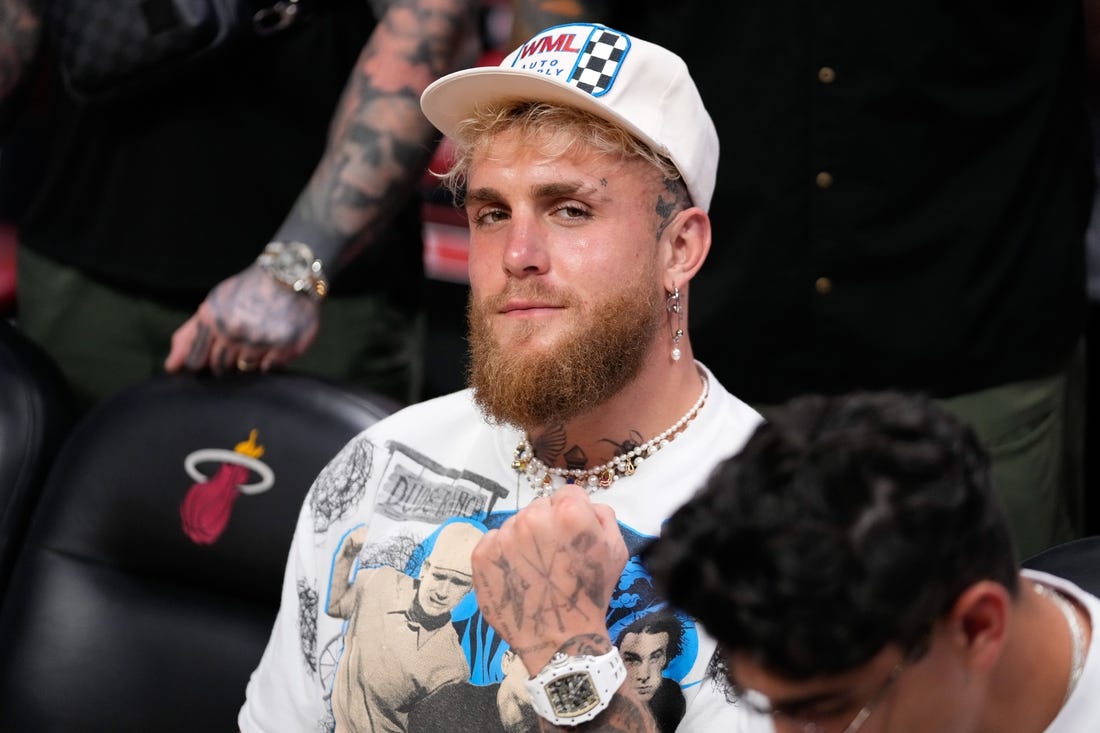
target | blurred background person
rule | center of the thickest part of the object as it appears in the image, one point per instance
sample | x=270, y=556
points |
x=138, y=250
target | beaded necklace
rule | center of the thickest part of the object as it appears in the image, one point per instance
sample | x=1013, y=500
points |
x=545, y=480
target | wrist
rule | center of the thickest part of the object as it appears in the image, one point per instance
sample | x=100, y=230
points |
x=574, y=687
x=294, y=265
x=537, y=655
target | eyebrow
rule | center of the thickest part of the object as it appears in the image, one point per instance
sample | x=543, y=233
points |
x=541, y=191
x=554, y=190
x=481, y=195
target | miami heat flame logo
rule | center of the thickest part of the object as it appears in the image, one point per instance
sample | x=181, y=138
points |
x=206, y=508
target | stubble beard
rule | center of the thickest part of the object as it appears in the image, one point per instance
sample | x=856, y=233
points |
x=590, y=363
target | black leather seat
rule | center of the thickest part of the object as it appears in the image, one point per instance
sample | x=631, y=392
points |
x=1077, y=560
x=132, y=609
x=35, y=413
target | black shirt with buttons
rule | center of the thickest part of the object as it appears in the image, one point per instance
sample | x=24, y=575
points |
x=168, y=192
x=902, y=192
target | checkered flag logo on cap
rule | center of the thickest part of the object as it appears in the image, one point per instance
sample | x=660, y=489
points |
x=599, y=62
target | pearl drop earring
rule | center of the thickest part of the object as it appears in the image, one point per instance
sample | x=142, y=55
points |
x=672, y=305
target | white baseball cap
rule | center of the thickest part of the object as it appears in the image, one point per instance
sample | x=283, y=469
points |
x=634, y=83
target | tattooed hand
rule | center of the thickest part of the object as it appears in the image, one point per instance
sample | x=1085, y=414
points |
x=248, y=322
x=546, y=576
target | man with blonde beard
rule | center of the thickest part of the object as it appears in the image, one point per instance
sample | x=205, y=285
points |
x=586, y=162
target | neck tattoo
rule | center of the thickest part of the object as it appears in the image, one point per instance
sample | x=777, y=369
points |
x=1077, y=634
x=545, y=480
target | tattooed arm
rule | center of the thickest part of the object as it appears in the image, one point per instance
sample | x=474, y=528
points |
x=544, y=581
x=379, y=145
x=380, y=142
x=531, y=16
x=20, y=36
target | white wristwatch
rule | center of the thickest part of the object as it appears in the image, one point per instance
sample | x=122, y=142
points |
x=574, y=690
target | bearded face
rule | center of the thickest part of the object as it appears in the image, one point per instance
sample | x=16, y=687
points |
x=565, y=275
x=531, y=382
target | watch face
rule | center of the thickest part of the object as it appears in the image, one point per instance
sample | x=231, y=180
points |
x=291, y=264
x=572, y=694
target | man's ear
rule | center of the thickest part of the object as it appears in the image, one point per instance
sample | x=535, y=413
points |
x=687, y=241
x=978, y=622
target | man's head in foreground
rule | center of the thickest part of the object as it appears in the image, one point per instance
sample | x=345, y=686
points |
x=854, y=564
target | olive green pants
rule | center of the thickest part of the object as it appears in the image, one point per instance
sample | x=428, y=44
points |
x=1034, y=433
x=104, y=339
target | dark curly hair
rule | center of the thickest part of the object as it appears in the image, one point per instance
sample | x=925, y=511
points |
x=663, y=621
x=845, y=524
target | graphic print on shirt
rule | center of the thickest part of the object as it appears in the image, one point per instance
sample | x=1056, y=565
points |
x=399, y=641
x=413, y=652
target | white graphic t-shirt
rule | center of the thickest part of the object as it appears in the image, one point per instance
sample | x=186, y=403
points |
x=379, y=629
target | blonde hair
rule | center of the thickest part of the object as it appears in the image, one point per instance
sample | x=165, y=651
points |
x=558, y=131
